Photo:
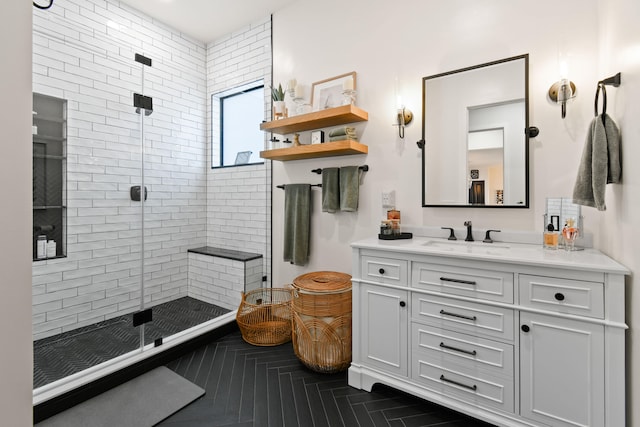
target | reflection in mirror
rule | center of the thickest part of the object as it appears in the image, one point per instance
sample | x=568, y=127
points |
x=485, y=163
x=476, y=149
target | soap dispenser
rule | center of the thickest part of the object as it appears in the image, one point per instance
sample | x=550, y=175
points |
x=551, y=237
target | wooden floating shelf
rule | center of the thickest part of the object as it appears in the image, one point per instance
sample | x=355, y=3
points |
x=317, y=120
x=312, y=151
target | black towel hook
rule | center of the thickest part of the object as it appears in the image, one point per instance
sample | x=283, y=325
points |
x=613, y=81
x=604, y=99
x=609, y=81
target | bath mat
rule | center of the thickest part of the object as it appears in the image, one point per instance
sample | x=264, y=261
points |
x=143, y=401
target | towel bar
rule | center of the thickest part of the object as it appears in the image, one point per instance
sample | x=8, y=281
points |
x=313, y=185
x=363, y=168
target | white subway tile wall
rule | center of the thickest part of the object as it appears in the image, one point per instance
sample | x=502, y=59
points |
x=83, y=52
x=221, y=281
x=239, y=198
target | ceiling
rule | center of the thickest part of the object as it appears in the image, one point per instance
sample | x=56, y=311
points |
x=207, y=20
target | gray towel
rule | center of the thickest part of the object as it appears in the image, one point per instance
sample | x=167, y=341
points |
x=297, y=218
x=345, y=130
x=600, y=163
x=349, y=188
x=330, y=190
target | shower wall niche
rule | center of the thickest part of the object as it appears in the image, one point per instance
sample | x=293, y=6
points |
x=49, y=176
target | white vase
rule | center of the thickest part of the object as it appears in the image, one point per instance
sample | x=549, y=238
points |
x=279, y=109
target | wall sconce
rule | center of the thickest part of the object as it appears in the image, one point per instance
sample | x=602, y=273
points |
x=561, y=92
x=403, y=118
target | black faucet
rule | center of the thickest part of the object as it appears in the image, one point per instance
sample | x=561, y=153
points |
x=487, y=236
x=452, y=235
x=469, y=237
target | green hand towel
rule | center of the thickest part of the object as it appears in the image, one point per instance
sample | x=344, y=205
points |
x=349, y=188
x=297, y=219
x=330, y=190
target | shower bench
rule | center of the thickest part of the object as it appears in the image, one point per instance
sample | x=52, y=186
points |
x=219, y=276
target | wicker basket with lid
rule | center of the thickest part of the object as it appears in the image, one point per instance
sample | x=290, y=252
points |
x=321, y=313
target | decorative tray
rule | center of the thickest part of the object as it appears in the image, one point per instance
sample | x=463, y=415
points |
x=395, y=237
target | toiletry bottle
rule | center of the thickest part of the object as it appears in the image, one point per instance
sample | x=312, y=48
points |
x=51, y=249
x=385, y=228
x=41, y=247
x=393, y=216
x=551, y=237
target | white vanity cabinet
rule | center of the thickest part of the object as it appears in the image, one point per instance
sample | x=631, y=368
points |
x=519, y=337
x=562, y=371
x=383, y=341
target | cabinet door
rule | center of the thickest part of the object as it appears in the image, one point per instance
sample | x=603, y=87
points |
x=384, y=329
x=562, y=371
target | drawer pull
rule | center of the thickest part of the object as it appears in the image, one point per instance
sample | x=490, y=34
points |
x=472, y=353
x=402, y=303
x=462, y=316
x=470, y=387
x=559, y=296
x=381, y=271
x=466, y=282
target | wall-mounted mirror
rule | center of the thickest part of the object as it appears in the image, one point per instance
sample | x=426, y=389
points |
x=476, y=148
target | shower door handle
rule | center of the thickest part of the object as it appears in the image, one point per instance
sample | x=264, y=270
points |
x=134, y=192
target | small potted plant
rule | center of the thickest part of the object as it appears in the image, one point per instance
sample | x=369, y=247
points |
x=278, y=101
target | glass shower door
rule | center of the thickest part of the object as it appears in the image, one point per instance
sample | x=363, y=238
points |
x=86, y=291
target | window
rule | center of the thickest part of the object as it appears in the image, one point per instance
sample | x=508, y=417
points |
x=239, y=140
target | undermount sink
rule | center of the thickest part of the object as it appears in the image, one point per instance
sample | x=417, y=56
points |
x=468, y=247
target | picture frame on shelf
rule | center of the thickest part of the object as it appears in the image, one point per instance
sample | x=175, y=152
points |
x=317, y=137
x=328, y=93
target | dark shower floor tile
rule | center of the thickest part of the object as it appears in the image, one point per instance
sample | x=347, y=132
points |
x=65, y=354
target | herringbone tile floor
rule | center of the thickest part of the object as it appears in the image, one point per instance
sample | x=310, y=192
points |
x=267, y=386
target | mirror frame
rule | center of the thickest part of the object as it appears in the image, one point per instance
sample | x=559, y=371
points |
x=422, y=144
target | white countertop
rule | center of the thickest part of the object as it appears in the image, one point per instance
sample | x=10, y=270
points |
x=514, y=253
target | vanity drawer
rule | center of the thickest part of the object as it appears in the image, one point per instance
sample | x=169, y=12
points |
x=385, y=270
x=471, y=352
x=463, y=316
x=563, y=295
x=476, y=387
x=468, y=282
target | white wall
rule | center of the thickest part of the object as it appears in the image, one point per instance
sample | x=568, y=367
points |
x=382, y=42
x=619, y=231
x=16, y=362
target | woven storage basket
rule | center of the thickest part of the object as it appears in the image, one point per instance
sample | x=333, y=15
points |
x=264, y=316
x=321, y=310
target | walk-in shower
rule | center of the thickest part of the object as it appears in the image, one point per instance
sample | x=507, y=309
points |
x=122, y=185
